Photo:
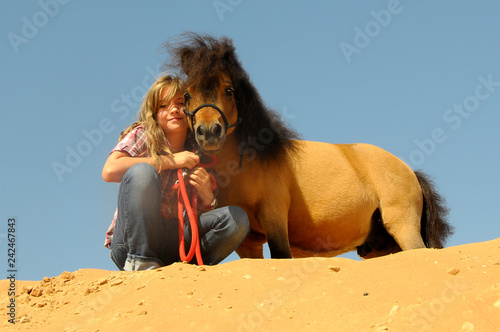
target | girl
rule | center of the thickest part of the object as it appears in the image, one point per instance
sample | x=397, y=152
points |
x=145, y=231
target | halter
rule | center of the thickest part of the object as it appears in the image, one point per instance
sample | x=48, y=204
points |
x=190, y=116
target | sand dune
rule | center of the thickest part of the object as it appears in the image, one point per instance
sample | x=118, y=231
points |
x=452, y=289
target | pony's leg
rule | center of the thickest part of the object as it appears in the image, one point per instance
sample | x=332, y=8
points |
x=274, y=222
x=403, y=224
x=252, y=246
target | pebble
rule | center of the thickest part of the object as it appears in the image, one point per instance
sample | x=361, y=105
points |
x=67, y=275
x=37, y=292
x=334, y=268
x=454, y=271
x=394, y=310
x=468, y=326
x=117, y=282
x=102, y=281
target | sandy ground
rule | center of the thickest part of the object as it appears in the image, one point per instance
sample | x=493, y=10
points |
x=452, y=289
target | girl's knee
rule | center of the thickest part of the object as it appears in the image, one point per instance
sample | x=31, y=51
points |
x=141, y=174
x=141, y=169
x=240, y=217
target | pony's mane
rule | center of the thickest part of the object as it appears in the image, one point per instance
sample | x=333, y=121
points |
x=203, y=58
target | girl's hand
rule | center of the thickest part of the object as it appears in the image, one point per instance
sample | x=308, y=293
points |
x=184, y=159
x=199, y=178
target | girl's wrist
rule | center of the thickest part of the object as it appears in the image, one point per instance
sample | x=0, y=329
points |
x=212, y=205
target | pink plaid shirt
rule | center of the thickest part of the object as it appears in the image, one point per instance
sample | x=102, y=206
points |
x=134, y=143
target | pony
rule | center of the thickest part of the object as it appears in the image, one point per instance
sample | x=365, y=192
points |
x=304, y=198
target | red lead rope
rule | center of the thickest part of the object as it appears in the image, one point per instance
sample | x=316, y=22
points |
x=192, y=211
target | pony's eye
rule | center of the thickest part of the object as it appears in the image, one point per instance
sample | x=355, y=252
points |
x=187, y=97
x=229, y=92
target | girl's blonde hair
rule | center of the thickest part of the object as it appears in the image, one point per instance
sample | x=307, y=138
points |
x=157, y=143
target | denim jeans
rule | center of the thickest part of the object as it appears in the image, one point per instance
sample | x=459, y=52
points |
x=143, y=239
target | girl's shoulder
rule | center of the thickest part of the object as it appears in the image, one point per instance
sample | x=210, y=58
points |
x=134, y=142
x=134, y=133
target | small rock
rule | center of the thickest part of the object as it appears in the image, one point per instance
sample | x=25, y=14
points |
x=117, y=282
x=142, y=313
x=247, y=276
x=394, y=310
x=67, y=275
x=142, y=302
x=102, y=281
x=26, y=289
x=334, y=268
x=201, y=268
x=468, y=326
x=454, y=271
x=24, y=320
x=37, y=292
x=46, y=279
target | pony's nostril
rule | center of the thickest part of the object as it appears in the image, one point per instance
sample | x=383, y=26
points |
x=217, y=130
x=200, y=131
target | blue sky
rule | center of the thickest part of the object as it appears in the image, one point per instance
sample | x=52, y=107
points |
x=421, y=79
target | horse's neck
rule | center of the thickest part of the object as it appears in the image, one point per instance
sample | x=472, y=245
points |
x=229, y=156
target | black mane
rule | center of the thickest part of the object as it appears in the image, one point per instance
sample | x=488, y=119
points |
x=202, y=58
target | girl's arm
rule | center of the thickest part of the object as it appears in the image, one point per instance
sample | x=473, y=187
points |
x=119, y=162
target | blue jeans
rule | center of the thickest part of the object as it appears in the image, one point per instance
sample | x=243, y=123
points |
x=143, y=239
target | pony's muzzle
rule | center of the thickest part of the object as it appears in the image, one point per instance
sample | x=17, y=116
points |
x=210, y=137
x=215, y=131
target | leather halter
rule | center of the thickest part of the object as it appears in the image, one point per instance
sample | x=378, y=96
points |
x=190, y=116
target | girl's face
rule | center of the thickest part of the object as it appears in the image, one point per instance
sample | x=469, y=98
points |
x=170, y=116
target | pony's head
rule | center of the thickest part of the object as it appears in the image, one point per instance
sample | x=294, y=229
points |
x=212, y=118
x=220, y=98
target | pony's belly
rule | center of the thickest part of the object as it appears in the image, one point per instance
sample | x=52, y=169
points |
x=329, y=233
x=332, y=204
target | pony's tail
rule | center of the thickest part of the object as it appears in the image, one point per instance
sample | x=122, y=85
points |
x=434, y=226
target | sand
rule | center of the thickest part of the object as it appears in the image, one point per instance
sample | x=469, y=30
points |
x=451, y=289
